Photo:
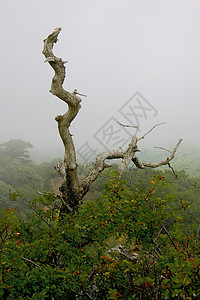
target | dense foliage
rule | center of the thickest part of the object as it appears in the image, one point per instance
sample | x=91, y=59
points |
x=136, y=238
x=19, y=173
x=68, y=257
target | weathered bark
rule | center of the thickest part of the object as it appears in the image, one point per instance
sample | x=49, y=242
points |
x=71, y=191
x=70, y=187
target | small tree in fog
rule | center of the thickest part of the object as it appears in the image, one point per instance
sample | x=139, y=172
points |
x=16, y=148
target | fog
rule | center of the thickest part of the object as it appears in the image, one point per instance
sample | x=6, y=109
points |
x=143, y=51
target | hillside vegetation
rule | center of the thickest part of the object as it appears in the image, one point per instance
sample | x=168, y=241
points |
x=19, y=173
x=133, y=238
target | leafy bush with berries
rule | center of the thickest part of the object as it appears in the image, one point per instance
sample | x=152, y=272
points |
x=74, y=256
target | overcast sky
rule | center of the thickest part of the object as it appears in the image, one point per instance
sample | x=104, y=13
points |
x=115, y=49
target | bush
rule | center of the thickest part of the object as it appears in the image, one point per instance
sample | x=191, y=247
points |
x=70, y=257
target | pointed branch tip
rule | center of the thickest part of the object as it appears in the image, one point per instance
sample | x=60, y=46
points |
x=75, y=92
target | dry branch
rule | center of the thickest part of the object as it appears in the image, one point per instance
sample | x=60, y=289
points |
x=131, y=126
x=164, y=162
x=30, y=261
x=142, y=137
x=163, y=149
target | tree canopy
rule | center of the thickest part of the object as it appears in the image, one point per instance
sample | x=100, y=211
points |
x=17, y=149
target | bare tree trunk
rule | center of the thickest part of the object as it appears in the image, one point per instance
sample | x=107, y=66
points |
x=68, y=169
x=71, y=191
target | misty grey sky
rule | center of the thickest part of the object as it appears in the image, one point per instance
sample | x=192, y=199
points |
x=114, y=48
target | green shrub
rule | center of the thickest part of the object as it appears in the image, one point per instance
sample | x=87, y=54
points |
x=69, y=257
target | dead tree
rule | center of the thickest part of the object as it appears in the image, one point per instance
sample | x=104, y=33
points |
x=72, y=191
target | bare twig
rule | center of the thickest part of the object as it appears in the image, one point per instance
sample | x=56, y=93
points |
x=30, y=261
x=163, y=149
x=173, y=171
x=157, y=256
x=158, y=233
x=170, y=237
x=193, y=184
x=35, y=210
x=142, y=137
x=166, y=161
x=154, y=241
x=188, y=211
x=131, y=126
x=75, y=92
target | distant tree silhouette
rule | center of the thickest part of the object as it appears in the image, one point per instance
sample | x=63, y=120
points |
x=16, y=148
